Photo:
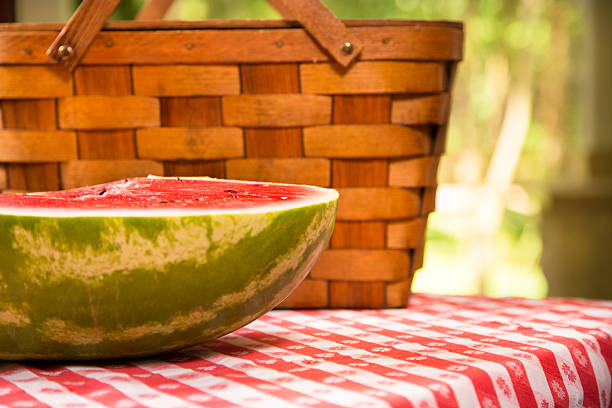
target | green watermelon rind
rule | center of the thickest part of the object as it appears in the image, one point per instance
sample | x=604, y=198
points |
x=83, y=288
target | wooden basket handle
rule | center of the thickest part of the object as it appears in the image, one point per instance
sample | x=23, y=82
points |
x=73, y=40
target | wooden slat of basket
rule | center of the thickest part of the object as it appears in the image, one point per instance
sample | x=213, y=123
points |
x=417, y=172
x=401, y=42
x=17, y=48
x=362, y=265
x=416, y=110
x=191, y=111
x=33, y=176
x=273, y=142
x=37, y=145
x=106, y=144
x=359, y=234
x=210, y=46
x=108, y=112
x=356, y=294
x=113, y=80
x=361, y=109
x=283, y=170
x=397, y=293
x=186, y=80
x=212, y=168
x=439, y=144
x=190, y=143
x=172, y=47
x=29, y=114
x=78, y=173
x=276, y=110
x=433, y=43
x=373, y=77
x=359, y=173
x=269, y=78
x=3, y=178
x=365, y=141
x=310, y=294
x=406, y=234
x=34, y=82
x=417, y=258
x=377, y=203
x=429, y=200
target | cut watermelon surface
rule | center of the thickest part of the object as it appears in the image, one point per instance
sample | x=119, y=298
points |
x=147, y=265
x=174, y=194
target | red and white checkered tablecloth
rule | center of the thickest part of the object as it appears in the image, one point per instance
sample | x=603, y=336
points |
x=443, y=351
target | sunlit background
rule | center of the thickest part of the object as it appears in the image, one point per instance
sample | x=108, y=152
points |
x=521, y=126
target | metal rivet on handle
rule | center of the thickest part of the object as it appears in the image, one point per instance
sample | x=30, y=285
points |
x=348, y=48
x=64, y=52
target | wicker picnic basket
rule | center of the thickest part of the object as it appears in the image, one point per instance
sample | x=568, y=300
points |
x=360, y=106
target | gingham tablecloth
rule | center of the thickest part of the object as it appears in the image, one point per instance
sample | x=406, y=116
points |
x=442, y=351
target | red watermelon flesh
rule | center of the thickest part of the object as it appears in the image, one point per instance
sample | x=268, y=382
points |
x=167, y=194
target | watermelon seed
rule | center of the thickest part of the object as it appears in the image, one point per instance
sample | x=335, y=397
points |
x=231, y=191
x=102, y=192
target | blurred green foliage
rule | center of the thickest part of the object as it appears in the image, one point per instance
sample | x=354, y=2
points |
x=534, y=44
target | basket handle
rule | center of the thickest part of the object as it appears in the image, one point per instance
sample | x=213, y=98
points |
x=75, y=37
x=154, y=10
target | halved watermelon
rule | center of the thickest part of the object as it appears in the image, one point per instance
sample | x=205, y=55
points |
x=147, y=265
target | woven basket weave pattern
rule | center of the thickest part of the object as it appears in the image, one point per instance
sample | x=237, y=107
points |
x=374, y=131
